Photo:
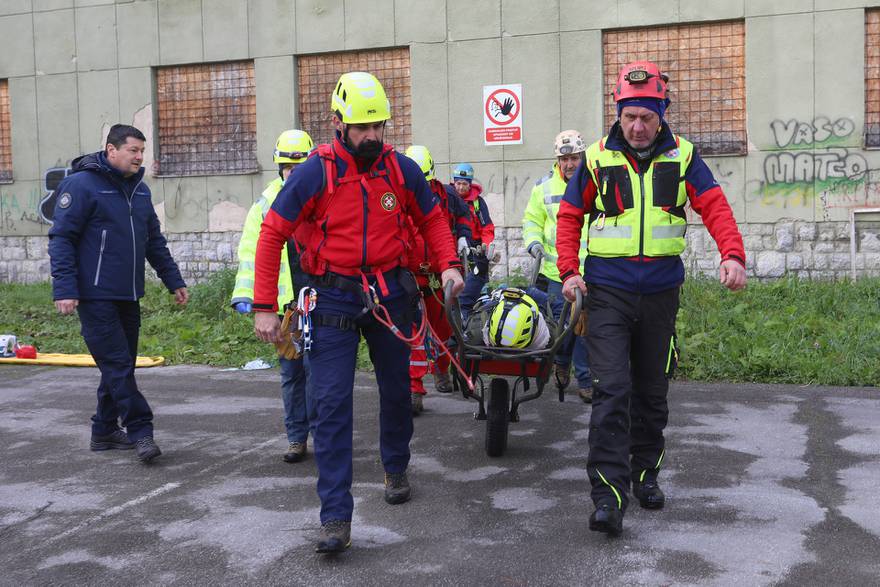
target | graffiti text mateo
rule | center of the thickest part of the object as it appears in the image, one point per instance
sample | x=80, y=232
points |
x=814, y=161
x=829, y=164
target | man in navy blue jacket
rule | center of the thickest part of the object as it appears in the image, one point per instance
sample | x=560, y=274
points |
x=105, y=227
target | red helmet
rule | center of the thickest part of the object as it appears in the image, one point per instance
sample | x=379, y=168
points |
x=640, y=79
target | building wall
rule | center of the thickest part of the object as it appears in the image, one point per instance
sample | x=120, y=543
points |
x=77, y=66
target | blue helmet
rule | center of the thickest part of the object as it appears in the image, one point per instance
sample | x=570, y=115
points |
x=463, y=171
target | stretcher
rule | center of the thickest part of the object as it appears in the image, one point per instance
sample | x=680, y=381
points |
x=64, y=360
x=499, y=405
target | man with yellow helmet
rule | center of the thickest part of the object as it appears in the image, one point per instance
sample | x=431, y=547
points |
x=631, y=192
x=354, y=199
x=291, y=149
x=539, y=238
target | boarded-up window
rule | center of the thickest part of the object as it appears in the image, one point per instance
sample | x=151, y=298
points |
x=5, y=134
x=318, y=75
x=706, y=68
x=207, y=119
x=872, y=78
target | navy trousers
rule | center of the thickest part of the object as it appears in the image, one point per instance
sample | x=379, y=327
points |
x=332, y=361
x=473, y=284
x=110, y=329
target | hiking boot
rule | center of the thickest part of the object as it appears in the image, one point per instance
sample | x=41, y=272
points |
x=562, y=374
x=586, y=394
x=296, y=451
x=397, y=489
x=335, y=537
x=147, y=449
x=417, y=405
x=607, y=518
x=117, y=440
x=442, y=383
x=649, y=494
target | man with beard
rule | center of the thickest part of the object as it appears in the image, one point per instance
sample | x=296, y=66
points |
x=353, y=200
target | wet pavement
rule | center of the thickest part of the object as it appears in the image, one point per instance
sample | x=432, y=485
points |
x=766, y=485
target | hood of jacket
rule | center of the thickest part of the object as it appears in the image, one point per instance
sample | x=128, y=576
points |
x=97, y=161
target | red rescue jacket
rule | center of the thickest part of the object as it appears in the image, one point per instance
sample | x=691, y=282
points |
x=355, y=218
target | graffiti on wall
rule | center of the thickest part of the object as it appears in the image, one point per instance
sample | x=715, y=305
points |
x=811, y=161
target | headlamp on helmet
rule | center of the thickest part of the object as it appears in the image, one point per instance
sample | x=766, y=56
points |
x=640, y=79
x=292, y=146
x=463, y=171
x=569, y=142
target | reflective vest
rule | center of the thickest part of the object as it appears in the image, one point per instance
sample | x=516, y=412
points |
x=539, y=221
x=243, y=290
x=638, y=213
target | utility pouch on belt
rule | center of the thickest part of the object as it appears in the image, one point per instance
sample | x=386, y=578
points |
x=290, y=347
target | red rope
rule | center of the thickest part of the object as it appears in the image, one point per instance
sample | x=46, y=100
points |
x=418, y=338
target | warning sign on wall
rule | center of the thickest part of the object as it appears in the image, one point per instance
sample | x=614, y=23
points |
x=502, y=114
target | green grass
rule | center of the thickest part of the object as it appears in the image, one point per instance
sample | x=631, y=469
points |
x=787, y=331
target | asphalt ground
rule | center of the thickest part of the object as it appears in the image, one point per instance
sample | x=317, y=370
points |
x=766, y=485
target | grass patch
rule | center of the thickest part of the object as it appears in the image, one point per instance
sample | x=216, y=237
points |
x=787, y=331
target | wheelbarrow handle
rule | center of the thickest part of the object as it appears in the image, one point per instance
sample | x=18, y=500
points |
x=536, y=269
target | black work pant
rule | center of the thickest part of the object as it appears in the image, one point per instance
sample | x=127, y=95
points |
x=630, y=341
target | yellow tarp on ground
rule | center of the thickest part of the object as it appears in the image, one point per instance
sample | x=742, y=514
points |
x=74, y=360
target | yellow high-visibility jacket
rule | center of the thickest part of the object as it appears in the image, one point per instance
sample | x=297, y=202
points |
x=247, y=251
x=539, y=220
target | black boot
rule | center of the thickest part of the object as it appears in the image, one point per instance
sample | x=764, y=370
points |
x=335, y=537
x=607, y=518
x=649, y=494
x=397, y=489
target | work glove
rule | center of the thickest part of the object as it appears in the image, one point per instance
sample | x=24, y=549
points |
x=462, y=246
x=242, y=307
x=536, y=250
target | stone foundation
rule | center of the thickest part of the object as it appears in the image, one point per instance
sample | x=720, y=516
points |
x=805, y=249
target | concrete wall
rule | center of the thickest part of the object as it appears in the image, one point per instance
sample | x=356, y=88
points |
x=76, y=66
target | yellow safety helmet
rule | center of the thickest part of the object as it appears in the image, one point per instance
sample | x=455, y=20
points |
x=421, y=155
x=359, y=98
x=514, y=321
x=293, y=146
x=569, y=142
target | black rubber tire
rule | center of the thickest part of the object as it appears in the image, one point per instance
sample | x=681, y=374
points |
x=497, y=417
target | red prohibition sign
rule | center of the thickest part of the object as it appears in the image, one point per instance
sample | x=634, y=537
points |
x=493, y=97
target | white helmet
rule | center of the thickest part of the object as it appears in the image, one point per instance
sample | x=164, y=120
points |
x=569, y=142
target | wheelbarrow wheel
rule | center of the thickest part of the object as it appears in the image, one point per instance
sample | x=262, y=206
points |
x=497, y=417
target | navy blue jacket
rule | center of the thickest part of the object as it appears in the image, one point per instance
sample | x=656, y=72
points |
x=105, y=226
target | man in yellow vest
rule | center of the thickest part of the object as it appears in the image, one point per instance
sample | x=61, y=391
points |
x=631, y=192
x=291, y=149
x=539, y=238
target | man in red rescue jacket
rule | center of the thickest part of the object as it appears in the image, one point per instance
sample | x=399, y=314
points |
x=427, y=272
x=631, y=190
x=354, y=196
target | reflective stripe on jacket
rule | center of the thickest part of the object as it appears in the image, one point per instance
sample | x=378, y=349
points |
x=638, y=213
x=539, y=220
x=247, y=252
